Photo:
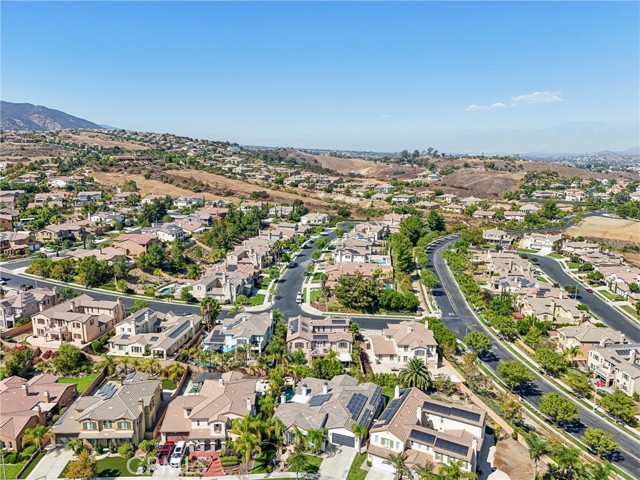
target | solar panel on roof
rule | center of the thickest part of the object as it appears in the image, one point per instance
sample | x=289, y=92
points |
x=422, y=437
x=321, y=337
x=125, y=337
x=376, y=396
x=356, y=404
x=365, y=416
x=130, y=376
x=318, y=400
x=154, y=339
x=452, y=447
x=338, y=321
x=458, y=412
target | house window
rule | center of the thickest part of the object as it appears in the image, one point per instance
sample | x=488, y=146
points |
x=217, y=428
x=91, y=321
x=123, y=425
x=343, y=345
x=89, y=426
x=106, y=424
x=77, y=336
x=76, y=325
x=419, y=353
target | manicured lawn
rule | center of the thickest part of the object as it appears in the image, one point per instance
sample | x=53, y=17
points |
x=317, y=277
x=114, y=467
x=32, y=465
x=356, y=472
x=631, y=310
x=388, y=392
x=314, y=294
x=81, y=382
x=573, y=265
x=610, y=296
x=526, y=250
x=542, y=279
x=13, y=469
x=168, y=385
x=555, y=255
x=313, y=464
x=257, y=299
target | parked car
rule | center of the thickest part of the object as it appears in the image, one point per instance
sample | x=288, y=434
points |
x=178, y=453
x=164, y=452
x=299, y=297
x=293, y=264
x=588, y=290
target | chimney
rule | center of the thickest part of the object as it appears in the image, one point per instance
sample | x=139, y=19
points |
x=397, y=392
x=305, y=390
x=221, y=382
x=601, y=343
x=325, y=388
x=25, y=389
x=72, y=305
x=47, y=397
x=632, y=355
x=283, y=398
x=474, y=445
x=623, y=338
x=141, y=405
x=419, y=415
x=409, y=329
x=249, y=406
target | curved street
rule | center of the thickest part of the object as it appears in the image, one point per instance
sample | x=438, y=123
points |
x=458, y=317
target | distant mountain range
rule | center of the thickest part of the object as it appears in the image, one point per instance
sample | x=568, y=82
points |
x=25, y=116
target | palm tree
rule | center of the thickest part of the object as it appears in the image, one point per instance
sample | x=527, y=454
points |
x=568, y=460
x=415, y=374
x=300, y=439
x=246, y=444
x=317, y=437
x=572, y=353
x=361, y=431
x=76, y=446
x=109, y=365
x=210, y=310
x=276, y=430
x=425, y=472
x=599, y=471
x=37, y=435
x=397, y=461
x=537, y=448
x=453, y=471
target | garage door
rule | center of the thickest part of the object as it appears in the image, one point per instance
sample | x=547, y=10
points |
x=344, y=440
x=176, y=437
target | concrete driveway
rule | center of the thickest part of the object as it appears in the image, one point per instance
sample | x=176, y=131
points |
x=337, y=466
x=52, y=464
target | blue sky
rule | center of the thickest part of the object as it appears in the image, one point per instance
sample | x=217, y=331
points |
x=457, y=76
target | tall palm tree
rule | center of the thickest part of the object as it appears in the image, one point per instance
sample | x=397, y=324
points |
x=424, y=472
x=317, y=437
x=453, y=471
x=300, y=439
x=109, y=365
x=246, y=444
x=37, y=435
x=572, y=353
x=276, y=430
x=415, y=374
x=397, y=461
x=361, y=431
x=210, y=310
x=537, y=448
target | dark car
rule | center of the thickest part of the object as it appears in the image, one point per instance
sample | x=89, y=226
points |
x=588, y=290
x=293, y=264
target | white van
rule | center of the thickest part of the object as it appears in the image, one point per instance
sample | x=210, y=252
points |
x=178, y=453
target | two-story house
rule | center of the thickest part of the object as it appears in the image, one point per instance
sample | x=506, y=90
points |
x=16, y=304
x=204, y=420
x=401, y=342
x=497, y=237
x=318, y=337
x=224, y=285
x=249, y=330
x=118, y=413
x=79, y=320
x=617, y=367
x=17, y=243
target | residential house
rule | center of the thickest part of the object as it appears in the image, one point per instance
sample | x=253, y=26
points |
x=315, y=219
x=447, y=197
x=118, y=413
x=539, y=241
x=189, y=202
x=27, y=403
x=382, y=270
x=556, y=310
x=453, y=208
x=8, y=198
x=529, y=208
x=403, y=199
x=7, y=218
x=484, y=214
x=203, y=420
x=497, y=237
x=252, y=331
x=587, y=337
x=545, y=194
x=191, y=225
x=259, y=256
x=80, y=320
x=280, y=211
x=468, y=201
x=336, y=405
x=223, y=285
x=385, y=188
x=426, y=430
x=148, y=332
x=574, y=195
x=82, y=198
x=372, y=231
x=352, y=254
x=317, y=337
x=62, y=182
x=514, y=216
x=133, y=244
x=17, y=243
x=17, y=304
x=617, y=366
x=65, y=231
x=393, y=221
x=579, y=248
x=619, y=278
x=403, y=341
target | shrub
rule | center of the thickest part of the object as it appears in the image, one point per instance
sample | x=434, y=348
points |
x=11, y=458
x=229, y=461
x=126, y=450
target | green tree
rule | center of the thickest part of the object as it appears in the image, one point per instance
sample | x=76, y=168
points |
x=358, y=292
x=153, y=258
x=210, y=309
x=477, y=341
x=138, y=304
x=579, y=383
x=37, y=436
x=515, y=374
x=317, y=437
x=558, y=408
x=568, y=460
x=552, y=361
x=429, y=279
x=511, y=407
x=415, y=374
x=453, y=471
x=186, y=295
x=599, y=471
x=69, y=359
x=83, y=468
x=176, y=255
x=620, y=406
x=126, y=450
x=600, y=441
x=412, y=228
x=297, y=462
x=402, y=252
x=538, y=447
x=92, y=272
x=67, y=293
x=328, y=366
x=398, y=462
x=194, y=271
x=120, y=268
x=436, y=222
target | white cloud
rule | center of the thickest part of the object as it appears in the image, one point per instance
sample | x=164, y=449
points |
x=536, y=97
x=493, y=106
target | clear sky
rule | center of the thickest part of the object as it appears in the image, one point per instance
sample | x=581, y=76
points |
x=458, y=76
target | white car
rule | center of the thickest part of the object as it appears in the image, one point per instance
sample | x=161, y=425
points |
x=299, y=297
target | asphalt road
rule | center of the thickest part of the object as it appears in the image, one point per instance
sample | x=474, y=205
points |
x=457, y=316
x=605, y=312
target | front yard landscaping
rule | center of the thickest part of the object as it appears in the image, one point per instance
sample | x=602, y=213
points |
x=631, y=310
x=555, y=255
x=257, y=299
x=573, y=265
x=313, y=464
x=115, y=466
x=82, y=383
x=356, y=472
x=314, y=295
x=168, y=385
x=611, y=296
